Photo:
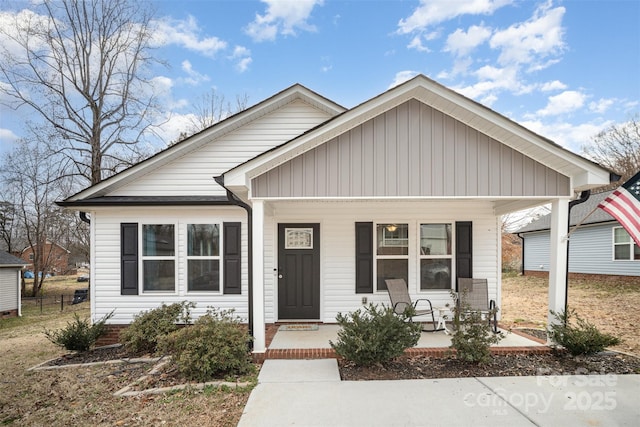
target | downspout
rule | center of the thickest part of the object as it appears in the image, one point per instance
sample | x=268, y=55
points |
x=522, y=246
x=234, y=200
x=584, y=196
x=84, y=217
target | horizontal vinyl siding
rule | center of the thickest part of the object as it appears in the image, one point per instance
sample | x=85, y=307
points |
x=411, y=150
x=106, y=269
x=193, y=173
x=8, y=289
x=337, y=241
x=590, y=252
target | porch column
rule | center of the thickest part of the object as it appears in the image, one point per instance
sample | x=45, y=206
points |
x=558, y=257
x=259, y=342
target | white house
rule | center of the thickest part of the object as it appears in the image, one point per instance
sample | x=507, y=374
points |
x=314, y=205
x=10, y=267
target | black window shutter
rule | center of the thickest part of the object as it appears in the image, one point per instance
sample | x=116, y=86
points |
x=231, y=258
x=364, y=257
x=464, y=248
x=128, y=258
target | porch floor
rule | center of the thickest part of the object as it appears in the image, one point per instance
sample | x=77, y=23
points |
x=300, y=344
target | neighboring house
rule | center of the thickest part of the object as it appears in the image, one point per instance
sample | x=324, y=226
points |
x=10, y=267
x=57, y=255
x=599, y=246
x=313, y=206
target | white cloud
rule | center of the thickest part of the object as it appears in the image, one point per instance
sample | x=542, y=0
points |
x=7, y=136
x=416, y=43
x=568, y=135
x=282, y=17
x=531, y=42
x=243, y=57
x=565, y=102
x=433, y=12
x=186, y=33
x=461, y=43
x=602, y=105
x=403, y=76
x=194, y=78
x=552, y=86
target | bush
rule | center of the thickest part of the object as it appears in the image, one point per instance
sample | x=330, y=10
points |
x=79, y=335
x=147, y=327
x=472, y=336
x=375, y=335
x=215, y=345
x=582, y=339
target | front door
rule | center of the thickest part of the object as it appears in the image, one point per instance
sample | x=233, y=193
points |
x=299, y=271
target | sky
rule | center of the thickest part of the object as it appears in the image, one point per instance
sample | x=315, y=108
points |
x=564, y=69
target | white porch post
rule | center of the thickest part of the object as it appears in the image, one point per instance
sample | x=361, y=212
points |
x=259, y=342
x=558, y=257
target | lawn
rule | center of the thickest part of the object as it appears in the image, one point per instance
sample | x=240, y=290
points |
x=84, y=396
x=611, y=306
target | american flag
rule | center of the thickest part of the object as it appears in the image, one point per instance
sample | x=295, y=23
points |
x=624, y=205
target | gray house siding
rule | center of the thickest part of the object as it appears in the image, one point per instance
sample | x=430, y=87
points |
x=590, y=252
x=412, y=150
x=8, y=288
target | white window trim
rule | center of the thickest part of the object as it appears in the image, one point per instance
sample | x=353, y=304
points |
x=143, y=258
x=376, y=257
x=450, y=256
x=631, y=243
x=190, y=257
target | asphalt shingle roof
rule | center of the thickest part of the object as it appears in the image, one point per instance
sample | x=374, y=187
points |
x=577, y=214
x=8, y=259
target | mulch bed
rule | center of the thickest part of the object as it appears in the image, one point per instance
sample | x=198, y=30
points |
x=100, y=354
x=423, y=367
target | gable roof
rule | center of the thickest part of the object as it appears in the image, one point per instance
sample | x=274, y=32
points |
x=578, y=213
x=584, y=174
x=8, y=260
x=192, y=143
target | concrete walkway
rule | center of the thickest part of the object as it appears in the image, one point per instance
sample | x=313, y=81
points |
x=310, y=393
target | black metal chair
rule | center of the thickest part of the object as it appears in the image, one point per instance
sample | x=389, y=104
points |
x=474, y=293
x=402, y=304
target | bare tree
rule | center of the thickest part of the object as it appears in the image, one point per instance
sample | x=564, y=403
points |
x=211, y=108
x=617, y=148
x=81, y=67
x=34, y=174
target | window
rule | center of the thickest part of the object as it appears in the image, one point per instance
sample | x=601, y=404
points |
x=435, y=256
x=392, y=253
x=203, y=257
x=624, y=247
x=158, y=257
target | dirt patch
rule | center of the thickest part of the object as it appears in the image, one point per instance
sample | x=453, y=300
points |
x=424, y=367
x=610, y=305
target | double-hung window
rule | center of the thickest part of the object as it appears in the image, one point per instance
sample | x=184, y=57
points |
x=203, y=257
x=159, y=257
x=624, y=248
x=392, y=253
x=435, y=256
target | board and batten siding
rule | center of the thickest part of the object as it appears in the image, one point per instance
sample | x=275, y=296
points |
x=337, y=246
x=105, y=266
x=590, y=252
x=411, y=150
x=9, y=280
x=193, y=173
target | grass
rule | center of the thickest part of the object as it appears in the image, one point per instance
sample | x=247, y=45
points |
x=84, y=396
x=611, y=305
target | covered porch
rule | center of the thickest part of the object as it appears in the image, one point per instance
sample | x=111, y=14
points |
x=311, y=341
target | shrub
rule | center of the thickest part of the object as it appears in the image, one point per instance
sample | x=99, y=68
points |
x=472, y=336
x=79, y=335
x=147, y=327
x=215, y=345
x=374, y=335
x=583, y=338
